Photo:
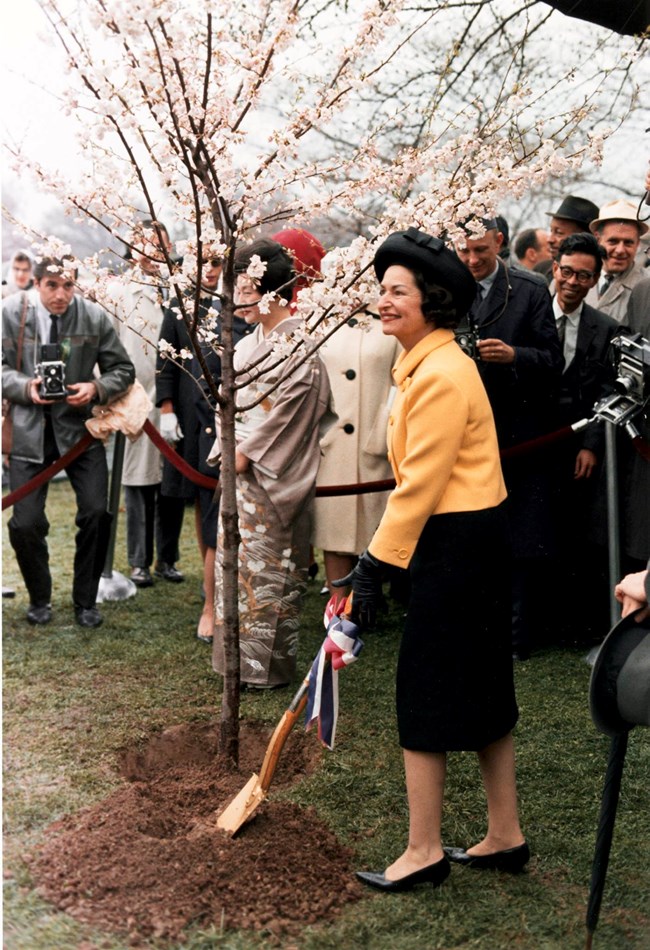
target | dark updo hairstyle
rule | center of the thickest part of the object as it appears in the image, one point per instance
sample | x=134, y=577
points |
x=438, y=305
x=279, y=275
x=447, y=287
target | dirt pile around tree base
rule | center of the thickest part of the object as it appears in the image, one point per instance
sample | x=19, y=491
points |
x=148, y=860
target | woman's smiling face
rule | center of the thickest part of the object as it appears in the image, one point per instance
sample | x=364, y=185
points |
x=400, y=307
x=247, y=296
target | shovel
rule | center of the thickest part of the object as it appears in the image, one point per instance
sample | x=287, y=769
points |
x=246, y=802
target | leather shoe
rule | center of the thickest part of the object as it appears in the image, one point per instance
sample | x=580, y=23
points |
x=433, y=874
x=88, y=617
x=141, y=577
x=39, y=615
x=512, y=859
x=168, y=572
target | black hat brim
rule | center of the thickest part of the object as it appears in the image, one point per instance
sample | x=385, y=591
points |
x=623, y=638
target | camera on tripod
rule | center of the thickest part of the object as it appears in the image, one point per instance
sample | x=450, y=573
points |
x=631, y=358
x=51, y=369
x=632, y=363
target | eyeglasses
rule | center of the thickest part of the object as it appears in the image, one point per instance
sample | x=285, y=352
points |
x=213, y=262
x=582, y=276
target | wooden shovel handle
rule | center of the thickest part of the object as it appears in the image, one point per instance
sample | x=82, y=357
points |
x=279, y=737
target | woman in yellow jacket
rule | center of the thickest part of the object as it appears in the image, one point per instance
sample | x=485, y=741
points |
x=446, y=522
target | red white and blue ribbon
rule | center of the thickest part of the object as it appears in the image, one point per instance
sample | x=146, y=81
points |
x=340, y=648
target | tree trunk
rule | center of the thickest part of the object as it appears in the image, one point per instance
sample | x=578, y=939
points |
x=229, y=729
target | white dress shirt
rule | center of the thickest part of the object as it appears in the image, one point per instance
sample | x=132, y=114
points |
x=570, y=330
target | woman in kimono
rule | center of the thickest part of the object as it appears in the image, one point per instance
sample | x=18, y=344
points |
x=276, y=462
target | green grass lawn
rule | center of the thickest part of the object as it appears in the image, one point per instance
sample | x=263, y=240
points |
x=74, y=698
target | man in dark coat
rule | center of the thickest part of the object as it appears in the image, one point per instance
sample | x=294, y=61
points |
x=81, y=336
x=572, y=216
x=520, y=360
x=579, y=488
x=636, y=479
x=183, y=392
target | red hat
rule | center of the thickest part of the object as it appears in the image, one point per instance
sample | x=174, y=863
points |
x=307, y=252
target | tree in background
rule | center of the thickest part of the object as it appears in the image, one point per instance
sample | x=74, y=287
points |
x=372, y=117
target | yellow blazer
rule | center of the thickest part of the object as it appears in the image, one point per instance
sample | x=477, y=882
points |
x=442, y=445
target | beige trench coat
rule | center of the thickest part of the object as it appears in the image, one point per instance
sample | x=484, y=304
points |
x=615, y=299
x=359, y=364
x=138, y=317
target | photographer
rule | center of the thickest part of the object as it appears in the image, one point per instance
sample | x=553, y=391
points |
x=58, y=333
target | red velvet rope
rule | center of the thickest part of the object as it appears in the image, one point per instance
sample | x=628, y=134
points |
x=49, y=472
x=205, y=481
x=323, y=491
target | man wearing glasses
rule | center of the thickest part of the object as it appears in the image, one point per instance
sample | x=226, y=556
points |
x=588, y=376
x=585, y=334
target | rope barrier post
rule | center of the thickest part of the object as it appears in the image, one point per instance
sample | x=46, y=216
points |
x=112, y=584
x=613, y=528
x=613, y=520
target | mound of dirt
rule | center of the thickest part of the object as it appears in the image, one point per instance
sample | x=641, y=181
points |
x=148, y=860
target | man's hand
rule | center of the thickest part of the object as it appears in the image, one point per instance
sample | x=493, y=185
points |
x=495, y=351
x=82, y=394
x=34, y=386
x=586, y=462
x=630, y=592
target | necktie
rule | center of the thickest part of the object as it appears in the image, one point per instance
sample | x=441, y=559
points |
x=561, y=327
x=604, y=284
x=54, y=329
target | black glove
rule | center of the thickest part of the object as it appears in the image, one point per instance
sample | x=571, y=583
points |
x=365, y=580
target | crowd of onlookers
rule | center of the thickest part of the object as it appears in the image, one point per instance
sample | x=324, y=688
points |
x=549, y=303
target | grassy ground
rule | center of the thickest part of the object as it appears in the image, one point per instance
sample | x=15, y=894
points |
x=74, y=698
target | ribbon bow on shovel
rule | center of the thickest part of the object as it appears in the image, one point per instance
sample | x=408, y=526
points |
x=342, y=647
x=320, y=689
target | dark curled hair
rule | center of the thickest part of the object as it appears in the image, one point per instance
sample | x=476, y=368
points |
x=583, y=243
x=438, y=304
x=279, y=275
x=42, y=270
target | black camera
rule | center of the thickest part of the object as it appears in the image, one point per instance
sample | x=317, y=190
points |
x=51, y=369
x=467, y=339
x=631, y=359
x=632, y=364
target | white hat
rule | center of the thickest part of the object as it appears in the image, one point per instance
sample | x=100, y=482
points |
x=623, y=211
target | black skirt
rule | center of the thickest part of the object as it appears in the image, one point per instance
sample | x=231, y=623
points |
x=455, y=687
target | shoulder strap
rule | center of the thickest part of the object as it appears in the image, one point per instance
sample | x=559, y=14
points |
x=21, y=333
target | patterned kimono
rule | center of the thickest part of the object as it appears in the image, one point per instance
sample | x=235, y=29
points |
x=280, y=436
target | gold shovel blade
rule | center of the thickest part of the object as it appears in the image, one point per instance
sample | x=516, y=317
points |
x=242, y=806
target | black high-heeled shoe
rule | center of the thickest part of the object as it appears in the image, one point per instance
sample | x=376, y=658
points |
x=433, y=874
x=511, y=859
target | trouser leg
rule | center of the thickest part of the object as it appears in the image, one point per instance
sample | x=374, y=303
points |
x=140, y=504
x=89, y=478
x=28, y=529
x=168, y=528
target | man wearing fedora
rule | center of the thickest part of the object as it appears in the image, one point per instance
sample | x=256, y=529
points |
x=573, y=215
x=619, y=232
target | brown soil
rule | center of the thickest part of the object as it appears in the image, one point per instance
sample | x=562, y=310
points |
x=148, y=860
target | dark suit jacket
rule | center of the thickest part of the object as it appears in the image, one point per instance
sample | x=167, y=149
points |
x=518, y=311
x=589, y=377
x=182, y=381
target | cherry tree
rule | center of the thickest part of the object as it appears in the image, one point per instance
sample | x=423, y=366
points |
x=274, y=111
